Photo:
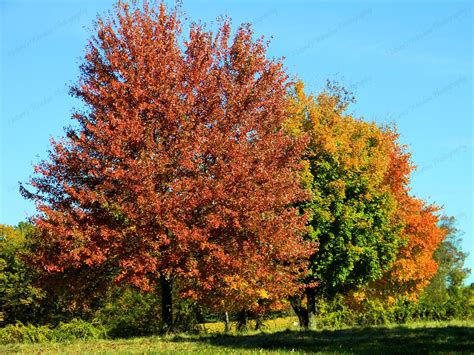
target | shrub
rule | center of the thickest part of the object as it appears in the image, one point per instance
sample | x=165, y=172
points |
x=375, y=314
x=78, y=329
x=334, y=314
x=20, y=333
x=337, y=313
x=186, y=316
x=74, y=330
x=128, y=312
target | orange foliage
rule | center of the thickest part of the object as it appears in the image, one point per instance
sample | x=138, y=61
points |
x=414, y=266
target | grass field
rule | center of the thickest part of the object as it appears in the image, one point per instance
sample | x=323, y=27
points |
x=457, y=336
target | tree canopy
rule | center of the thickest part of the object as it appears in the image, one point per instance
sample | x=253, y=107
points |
x=371, y=233
x=178, y=168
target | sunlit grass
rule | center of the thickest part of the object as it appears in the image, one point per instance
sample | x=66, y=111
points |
x=269, y=325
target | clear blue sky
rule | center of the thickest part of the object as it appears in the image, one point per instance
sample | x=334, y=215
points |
x=407, y=62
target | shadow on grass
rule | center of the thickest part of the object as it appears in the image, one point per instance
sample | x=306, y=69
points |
x=393, y=340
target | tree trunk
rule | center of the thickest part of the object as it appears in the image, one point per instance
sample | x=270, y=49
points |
x=166, y=303
x=258, y=323
x=199, y=316
x=242, y=321
x=227, y=323
x=301, y=312
x=311, y=302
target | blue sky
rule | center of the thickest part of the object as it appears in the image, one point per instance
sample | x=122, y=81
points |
x=407, y=62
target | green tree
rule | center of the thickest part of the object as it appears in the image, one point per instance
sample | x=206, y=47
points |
x=352, y=208
x=448, y=283
x=19, y=297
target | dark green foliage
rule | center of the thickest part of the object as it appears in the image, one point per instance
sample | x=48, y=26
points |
x=128, y=312
x=349, y=255
x=187, y=315
x=19, y=297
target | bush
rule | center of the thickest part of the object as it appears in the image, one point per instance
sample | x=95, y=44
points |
x=78, y=329
x=74, y=330
x=127, y=312
x=20, y=333
x=186, y=316
x=334, y=314
x=337, y=313
x=375, y=313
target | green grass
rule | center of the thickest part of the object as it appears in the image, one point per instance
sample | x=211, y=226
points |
x=448, y=337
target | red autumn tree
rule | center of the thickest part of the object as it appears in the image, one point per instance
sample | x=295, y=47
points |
x=177, y=169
